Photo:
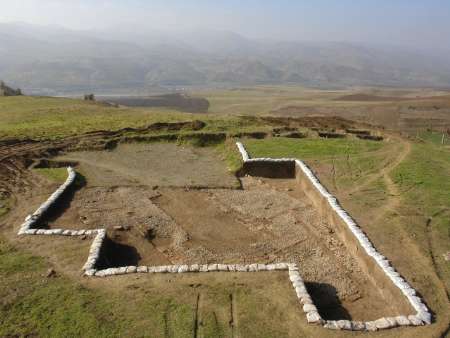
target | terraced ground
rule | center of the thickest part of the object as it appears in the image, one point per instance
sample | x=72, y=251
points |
x=398, y=191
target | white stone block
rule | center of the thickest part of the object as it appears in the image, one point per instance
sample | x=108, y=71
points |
x=298, y=284
x=281, y=266
x=371, y=326
x=331, y=324
x=252, y=267
x=416, y=321
x=313, y=317
x=295, y=277
x=382, y=324
x=292, y=267
x=358, y=326
x=183, y=268
x=212, y=267
x=344, y=324
x=142, y=269
x=270, y=267
x=425, y=316
x=241, y=268
x=131, y=269
x=222, y=267
x=402, y=321
x=306, y=299
x=173, y=268
x=409, y=292
x=161, y=269
x=261, y=267
x=194, y=268
x=90, y=272
x=392, y=321
x=309, y=308
x=100, y=273
x=231, y=267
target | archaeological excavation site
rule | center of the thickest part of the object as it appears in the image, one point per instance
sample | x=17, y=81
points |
x=161, y=209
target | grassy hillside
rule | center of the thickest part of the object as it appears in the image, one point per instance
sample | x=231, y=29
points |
x=423, y=180
x=46, y=117
x=53, y=118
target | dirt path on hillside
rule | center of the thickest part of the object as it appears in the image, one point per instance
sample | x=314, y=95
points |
x=394, y=205
x=386, y=170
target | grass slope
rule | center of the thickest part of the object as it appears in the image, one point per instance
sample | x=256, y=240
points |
x=53, y=118
x=309, y=148
x=424, y=180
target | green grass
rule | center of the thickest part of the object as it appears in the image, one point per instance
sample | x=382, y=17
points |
x=309, y=148
x=33, y=305
x=58, y=175
x=434, y=137
x=230, y=155
x=424, y=179
x=54, y=118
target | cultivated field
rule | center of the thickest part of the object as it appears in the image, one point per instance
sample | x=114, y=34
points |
x=406, y=110
x=170, y=191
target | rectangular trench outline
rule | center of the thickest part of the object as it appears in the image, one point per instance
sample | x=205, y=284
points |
x=306, y=177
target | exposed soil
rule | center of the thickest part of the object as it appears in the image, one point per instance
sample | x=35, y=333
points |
x=399, y=114
x=156, y=164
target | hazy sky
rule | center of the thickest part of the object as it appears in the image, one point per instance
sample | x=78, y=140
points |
x=423, y=23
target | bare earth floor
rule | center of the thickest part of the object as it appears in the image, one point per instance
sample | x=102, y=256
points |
x=161, y=164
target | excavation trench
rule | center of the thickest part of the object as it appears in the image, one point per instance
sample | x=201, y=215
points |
x=154, y=215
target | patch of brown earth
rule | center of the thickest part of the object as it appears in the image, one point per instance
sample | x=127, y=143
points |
x=155, y=164
x=271, y=220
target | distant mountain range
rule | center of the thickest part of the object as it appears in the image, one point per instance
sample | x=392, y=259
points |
x=54, y=60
